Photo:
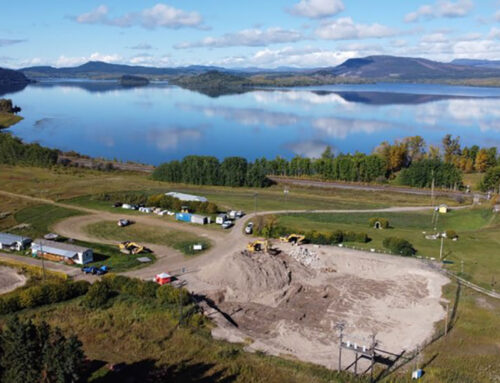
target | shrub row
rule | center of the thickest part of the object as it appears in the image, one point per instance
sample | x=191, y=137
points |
x=47, y=293
x=336, y=237
x=399, y=246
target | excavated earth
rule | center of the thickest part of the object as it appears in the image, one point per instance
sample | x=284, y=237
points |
x=289, y=304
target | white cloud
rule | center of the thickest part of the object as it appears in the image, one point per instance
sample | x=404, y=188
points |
x=171, y=138
x=442, y=8
x=142, y=46
x=160, y=15
x=6, y=42
x=95, y=16
x=289, y=56
x=247, y=37
x=345, y=29
x=64, y=61
x=315, y=9
x=497, y=15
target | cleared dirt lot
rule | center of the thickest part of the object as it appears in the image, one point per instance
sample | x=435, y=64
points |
x=10, y=279
x=289, y=305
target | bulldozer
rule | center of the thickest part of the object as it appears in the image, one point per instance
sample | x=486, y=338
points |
x=129, y=247
x=295, y=239
x=260, y=245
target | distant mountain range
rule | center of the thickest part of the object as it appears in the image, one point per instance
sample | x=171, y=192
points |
x=372, y=67
x=214, y=80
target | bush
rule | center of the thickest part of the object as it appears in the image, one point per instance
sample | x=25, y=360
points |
x=384, y=223
x=451, y=234
x=97, y=296
x=399, y=246
x=170, y=295
x=336, y=237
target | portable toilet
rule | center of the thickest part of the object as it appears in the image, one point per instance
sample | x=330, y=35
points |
x=417, y=374
x=183, y=217
x=163, y=278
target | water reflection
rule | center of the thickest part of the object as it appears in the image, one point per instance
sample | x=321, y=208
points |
x=160, y=122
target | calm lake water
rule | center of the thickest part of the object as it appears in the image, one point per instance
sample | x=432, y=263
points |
x=161, y=122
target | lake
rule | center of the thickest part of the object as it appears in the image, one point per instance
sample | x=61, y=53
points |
x=159, y=122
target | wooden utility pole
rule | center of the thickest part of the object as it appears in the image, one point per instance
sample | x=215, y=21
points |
x=372, y=361
x=441, y=250
x=446, y=323
x=340, y=326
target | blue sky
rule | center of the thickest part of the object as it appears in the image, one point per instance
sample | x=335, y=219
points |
x=263, y=33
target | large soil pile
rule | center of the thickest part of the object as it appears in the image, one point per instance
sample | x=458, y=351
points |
x=288, y=304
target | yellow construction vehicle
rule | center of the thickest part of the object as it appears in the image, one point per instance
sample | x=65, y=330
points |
x=129, y=247
x=296, y=239
x=258, y=246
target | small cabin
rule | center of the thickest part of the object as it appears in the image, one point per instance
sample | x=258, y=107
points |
x=443, y=209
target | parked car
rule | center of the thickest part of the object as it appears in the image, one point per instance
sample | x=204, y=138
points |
x=117, y=204
x=249, y=228
x=227, y=224
x=124, y=222
x=95, y=271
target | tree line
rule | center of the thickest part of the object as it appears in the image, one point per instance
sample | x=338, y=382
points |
x=408, y=162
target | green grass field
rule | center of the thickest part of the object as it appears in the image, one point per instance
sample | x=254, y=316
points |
x=68, y=183
x=477, y=246
x=7, y=119
x=179, y=240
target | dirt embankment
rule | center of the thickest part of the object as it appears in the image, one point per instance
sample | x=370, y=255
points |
x=289, y=304
x=10, y=279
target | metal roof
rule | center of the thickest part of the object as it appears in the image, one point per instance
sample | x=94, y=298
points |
x=186, y=197
x=63, y=249
x=9, y=239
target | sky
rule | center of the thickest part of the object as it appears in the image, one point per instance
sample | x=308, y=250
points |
x=243, y=33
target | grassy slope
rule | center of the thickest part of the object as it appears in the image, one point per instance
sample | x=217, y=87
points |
x=478, y=230
x=146, y=337
x=177, y=239
x=7, y=119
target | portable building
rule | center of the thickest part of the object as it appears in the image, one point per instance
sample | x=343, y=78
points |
x=13, y=242
x=127, y=206
x=186, y=197
x=163, y=278
x=183, y=217
x=199, y=219
x=65, y=252
x=443, y=209
x=221, y=218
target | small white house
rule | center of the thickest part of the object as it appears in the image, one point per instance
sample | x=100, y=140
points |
x=186, y=197
x=62, y=252
x=13, y=242
x=220, y=219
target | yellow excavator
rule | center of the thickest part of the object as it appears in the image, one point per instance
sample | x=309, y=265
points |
x=296, y=239
x=129, y=247
x=260, y=245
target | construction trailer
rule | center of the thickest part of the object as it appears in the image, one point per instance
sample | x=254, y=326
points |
x=199, y=219
x=220, y=219
x=183, y=217
x=13, y=242
x=62, y=252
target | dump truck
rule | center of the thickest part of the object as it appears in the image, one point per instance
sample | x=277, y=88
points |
x=129, y=247
x=295, y=239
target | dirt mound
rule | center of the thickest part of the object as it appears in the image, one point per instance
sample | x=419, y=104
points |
x=259, y=278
